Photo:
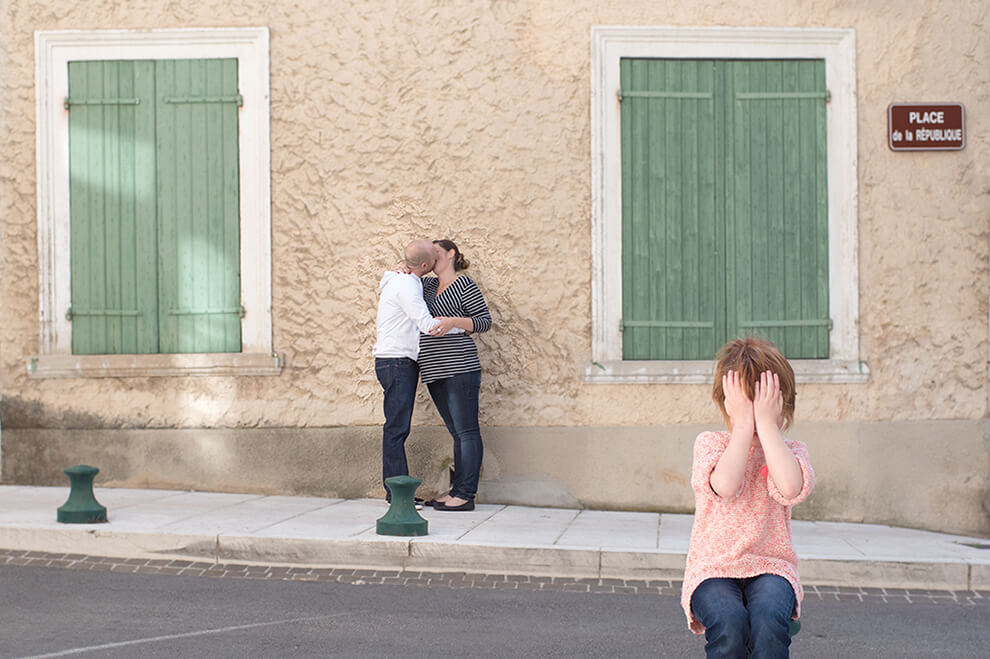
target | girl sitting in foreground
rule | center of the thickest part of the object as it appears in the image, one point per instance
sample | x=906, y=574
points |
x=741, y=584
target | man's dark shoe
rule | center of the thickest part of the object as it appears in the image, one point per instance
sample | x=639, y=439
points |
x=417, y=502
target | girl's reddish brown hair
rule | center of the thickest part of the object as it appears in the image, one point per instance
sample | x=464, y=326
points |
x=751, y=356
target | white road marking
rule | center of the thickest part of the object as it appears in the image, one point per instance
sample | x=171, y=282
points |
x=172, y=637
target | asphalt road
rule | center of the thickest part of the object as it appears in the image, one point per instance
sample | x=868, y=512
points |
x=65, y=612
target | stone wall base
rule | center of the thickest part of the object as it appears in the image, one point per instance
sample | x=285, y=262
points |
x=921, y=474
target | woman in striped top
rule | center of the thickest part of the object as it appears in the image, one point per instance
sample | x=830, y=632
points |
x=450, y=368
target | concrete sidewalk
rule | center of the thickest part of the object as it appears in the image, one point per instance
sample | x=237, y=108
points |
x=493, y=539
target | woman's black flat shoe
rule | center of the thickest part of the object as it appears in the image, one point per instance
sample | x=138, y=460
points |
x=467, y=505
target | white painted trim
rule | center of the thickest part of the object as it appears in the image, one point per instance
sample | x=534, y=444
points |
x=838, y=48
x=115, y=366
x=700, y=372
x=53, y=51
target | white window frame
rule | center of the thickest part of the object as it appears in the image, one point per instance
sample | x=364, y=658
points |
x=53, y=51
x=609, y=44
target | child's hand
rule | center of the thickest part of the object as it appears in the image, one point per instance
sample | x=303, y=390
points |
x=768, y=402
x=737, y=405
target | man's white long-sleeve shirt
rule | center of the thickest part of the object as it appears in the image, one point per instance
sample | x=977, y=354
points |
x=402, y=315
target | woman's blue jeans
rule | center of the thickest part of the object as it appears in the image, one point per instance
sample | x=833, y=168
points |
x=456, y=399
x=743, y=615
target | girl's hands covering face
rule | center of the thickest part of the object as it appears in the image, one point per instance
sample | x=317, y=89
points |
x=737, y=405
x=768, y=403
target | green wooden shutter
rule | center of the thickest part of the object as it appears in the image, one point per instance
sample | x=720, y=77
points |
x=776, y=204
x=198, y=206
x=154, y=206
x=724, y=206
x=112, y=207
x=669, y=292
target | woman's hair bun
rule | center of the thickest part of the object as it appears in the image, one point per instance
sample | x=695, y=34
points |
x=460, y=263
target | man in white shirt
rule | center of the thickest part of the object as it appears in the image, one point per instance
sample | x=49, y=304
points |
x=402, y=315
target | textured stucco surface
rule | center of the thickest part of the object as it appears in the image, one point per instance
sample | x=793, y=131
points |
x=470, y=120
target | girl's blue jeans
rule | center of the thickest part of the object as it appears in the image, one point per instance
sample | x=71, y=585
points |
x=745, y=615
x=456, y=399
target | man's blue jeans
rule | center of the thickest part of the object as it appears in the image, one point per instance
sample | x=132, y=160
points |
x=456, y=399
x=398, y=377
x=745, y=614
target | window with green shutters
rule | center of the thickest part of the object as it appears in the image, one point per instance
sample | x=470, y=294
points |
x=724, y=206
x=154, y=206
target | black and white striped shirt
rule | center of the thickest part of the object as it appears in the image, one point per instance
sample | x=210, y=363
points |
x=443, y=356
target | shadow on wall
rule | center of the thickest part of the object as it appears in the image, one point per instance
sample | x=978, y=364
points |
x=18, y=412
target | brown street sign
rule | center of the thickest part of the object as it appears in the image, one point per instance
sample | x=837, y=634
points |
x=918, y=127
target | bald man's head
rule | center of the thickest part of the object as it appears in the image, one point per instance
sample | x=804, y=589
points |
x=420, y=256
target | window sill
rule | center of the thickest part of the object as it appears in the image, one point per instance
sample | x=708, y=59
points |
x=117, y=366
x=829, y=371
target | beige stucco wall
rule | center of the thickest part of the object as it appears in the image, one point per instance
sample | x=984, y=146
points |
x=470, y=120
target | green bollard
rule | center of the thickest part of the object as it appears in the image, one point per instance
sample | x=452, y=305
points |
x=82, y=506
x=402, y=518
